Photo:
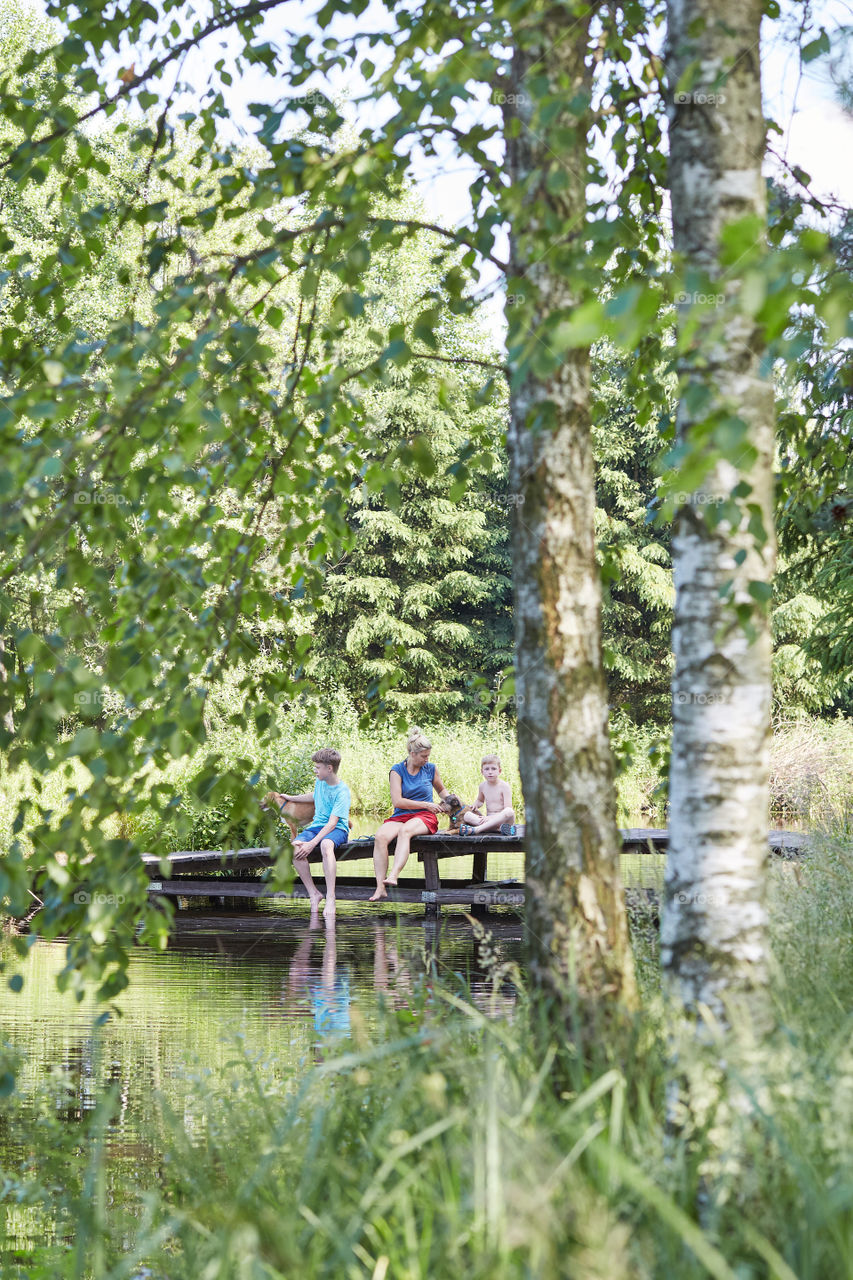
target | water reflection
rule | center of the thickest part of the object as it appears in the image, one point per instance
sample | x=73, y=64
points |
x=268, y=984
x=282, y=983
x=327, y=992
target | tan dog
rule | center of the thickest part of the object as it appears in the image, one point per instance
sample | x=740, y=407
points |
x=296, y=815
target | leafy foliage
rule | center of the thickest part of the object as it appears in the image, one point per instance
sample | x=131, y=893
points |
x=207, y=353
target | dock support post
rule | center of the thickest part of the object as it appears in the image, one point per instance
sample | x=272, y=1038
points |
x=478, y=876
x=432, y=882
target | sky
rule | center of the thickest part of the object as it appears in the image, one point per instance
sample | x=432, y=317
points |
x=817, y=134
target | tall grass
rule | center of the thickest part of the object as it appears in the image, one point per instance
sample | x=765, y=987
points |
x=444, y=1141
x=811, y=780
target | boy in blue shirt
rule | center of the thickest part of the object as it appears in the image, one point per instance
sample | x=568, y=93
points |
x=329, y=827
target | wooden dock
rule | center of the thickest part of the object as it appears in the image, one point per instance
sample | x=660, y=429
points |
x=233, y=873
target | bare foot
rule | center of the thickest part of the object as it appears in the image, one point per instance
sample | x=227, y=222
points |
x=393, y=883
x=315, y=899
x=329, y=909
x=379, y=894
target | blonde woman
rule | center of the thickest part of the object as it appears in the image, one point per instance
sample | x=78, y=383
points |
x=412, y=782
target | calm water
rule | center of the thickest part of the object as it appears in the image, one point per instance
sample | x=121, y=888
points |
x=266, y=976
x=263, y=983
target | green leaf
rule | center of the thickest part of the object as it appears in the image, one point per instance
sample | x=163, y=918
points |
x=761, y=591
x=816, y=48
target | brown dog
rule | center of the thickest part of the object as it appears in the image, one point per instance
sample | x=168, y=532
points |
x=455, y=807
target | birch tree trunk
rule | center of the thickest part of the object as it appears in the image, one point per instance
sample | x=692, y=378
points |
x=8, y=718
x=576, y=925
x=714, y=920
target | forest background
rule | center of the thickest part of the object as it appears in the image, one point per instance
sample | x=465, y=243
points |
x=255, y=497
x=411, y=614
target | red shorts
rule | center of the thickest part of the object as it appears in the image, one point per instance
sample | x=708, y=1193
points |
x=431, y=819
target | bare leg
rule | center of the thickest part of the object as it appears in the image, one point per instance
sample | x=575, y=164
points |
x=414, y=827
x=380, y=965
x=386, y=833
x=303, y=870
x=330, y=871
x=471, y=819
x=493, y=820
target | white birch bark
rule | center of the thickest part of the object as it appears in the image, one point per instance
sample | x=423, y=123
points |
x=575, y=914
x=8, y=717
x=714, y=921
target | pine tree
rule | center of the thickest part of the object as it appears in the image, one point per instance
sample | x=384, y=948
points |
x=633, y=550
x=423, y=597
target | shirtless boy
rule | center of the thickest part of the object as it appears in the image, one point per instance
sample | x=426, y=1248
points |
x=496, y=795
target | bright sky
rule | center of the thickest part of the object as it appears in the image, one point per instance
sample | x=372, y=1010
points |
x=817, y=133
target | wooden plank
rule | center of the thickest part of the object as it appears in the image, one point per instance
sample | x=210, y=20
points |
x=787, y=844
x=483, y=895
x=226, y=884
x=259, y=889
x=477, y=896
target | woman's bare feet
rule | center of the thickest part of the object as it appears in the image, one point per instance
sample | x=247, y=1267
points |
x=329, y=909
x=379, y=894
x=315, y=899
x=393, y=883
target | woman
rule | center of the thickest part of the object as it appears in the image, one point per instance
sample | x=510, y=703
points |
x=415, y=812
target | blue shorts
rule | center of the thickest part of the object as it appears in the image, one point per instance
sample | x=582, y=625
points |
x=336, y=836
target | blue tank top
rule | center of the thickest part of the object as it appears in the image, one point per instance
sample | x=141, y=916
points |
x=416, y=786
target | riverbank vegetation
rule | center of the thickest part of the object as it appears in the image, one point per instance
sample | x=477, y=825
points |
x=440, y=1139
x=811, y=782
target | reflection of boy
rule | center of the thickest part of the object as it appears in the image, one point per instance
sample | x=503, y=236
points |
x=327, y=991
x=496, y=795
x=329, y=827
x=330, y=995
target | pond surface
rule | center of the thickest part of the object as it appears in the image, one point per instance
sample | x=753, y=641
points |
x=267, y=983
x=271, y=976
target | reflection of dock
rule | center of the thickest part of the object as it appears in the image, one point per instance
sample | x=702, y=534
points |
x=213, y=873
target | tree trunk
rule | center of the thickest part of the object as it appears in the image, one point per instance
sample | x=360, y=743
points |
x=714, y=921
x=576, y=925
x=7, y=663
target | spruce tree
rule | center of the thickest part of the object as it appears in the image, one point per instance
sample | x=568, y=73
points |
x=423, y=597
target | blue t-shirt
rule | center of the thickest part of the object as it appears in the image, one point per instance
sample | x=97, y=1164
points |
x=416, y=786
x=330, y=801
